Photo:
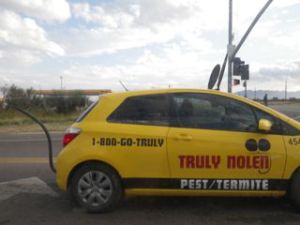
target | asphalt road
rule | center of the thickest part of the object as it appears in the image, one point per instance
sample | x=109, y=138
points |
x=26, y=155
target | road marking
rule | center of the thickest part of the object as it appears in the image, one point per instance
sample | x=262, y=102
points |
x=27, y=185
x=24, y=160
x=296, y=118
x=36, y=133
x=29, y=140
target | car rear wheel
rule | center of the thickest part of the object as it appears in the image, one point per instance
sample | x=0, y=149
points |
x=294, y=190
x=96, y=187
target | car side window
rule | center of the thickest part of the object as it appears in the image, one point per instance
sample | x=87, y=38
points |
x=148, y=109
x=208, y=111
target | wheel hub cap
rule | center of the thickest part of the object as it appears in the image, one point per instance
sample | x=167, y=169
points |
x=95, y=188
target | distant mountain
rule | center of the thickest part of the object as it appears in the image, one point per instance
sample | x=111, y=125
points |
x=271, y=94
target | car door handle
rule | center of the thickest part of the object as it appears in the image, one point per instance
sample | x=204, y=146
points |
x=183, y=137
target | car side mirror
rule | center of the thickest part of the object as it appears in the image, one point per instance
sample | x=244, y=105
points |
x=264, y=125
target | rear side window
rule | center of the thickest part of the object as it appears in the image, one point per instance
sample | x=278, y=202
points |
x=148, y=109
x=86, y=112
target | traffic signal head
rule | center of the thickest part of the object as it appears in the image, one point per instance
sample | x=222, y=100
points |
x=237, y=63
x=240, y=69
x=245, y=72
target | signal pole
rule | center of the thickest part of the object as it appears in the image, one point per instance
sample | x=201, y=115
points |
x=231, y=49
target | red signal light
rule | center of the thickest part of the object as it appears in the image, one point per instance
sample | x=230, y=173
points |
x=236, y=82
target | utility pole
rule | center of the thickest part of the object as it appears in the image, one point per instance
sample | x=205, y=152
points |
x=245, y=86
x=285, y=91
x=231, y=49
x=61, y=82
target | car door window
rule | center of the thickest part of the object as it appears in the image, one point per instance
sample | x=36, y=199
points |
x=207, y=111
x=148, y=109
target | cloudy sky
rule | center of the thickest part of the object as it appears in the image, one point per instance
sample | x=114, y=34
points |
x=92, y=44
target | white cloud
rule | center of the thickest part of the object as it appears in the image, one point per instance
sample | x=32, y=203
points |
x=281, y=71
x=285, y=3
x=112, y=19
x=22, y=40
x=135, y=24
x=48, y=10
x=288, y=40
x=125, y=24
x=19, y=57
x=125, y=13
x=171, y=67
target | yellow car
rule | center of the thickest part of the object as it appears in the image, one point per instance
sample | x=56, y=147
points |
x=178, y=142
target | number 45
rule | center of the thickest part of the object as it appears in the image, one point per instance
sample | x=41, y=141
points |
x=294, y=141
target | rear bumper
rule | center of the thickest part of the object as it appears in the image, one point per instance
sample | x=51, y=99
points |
x=63, y=169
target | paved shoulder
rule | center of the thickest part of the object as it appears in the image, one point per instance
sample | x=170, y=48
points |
x=27, y=185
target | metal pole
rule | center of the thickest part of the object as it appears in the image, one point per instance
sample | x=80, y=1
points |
x=61, y=82
x=250, y=28
x=229, y=48
x=123, y=85
x=285, y=91
x=222, y=72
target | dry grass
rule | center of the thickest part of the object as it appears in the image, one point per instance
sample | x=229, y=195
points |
x=15, y=122
x=28, y=128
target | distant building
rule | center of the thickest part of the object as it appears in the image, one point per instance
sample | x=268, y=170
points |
x=87, y=92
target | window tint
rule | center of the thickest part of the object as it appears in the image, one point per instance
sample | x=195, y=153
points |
x=212, y=112
x=149, y=109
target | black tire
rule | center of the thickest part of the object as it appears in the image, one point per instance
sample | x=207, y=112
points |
x=102, y=193
x=294, y=190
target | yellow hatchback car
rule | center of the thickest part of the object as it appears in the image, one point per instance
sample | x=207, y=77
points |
x=178, y=142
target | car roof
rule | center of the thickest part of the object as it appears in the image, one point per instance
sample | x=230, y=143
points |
x=167, y=90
